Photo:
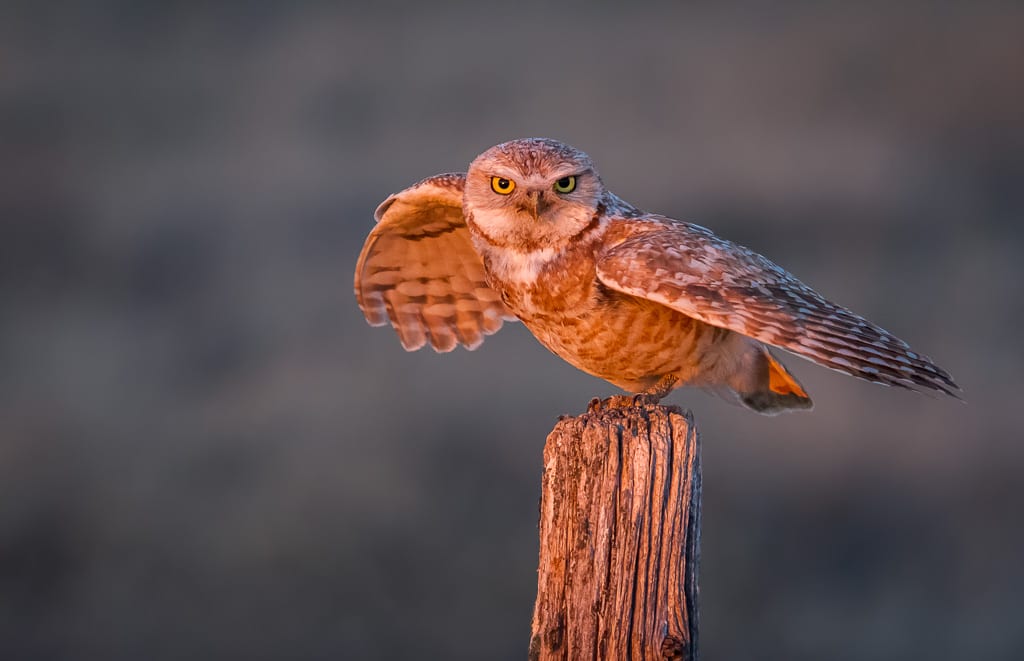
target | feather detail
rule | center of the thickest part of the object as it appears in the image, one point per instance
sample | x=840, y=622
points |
x=419, y=271
x=689, y=269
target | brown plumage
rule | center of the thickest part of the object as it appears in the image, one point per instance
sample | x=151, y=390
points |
x=645, y=302
x=418, y=269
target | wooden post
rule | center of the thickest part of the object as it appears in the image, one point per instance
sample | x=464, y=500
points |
x=619, y=535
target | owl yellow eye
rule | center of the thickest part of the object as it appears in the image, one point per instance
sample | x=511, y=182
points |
x=566, y=185
x=502, y=186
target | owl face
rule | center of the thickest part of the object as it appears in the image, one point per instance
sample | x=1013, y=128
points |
x=531, y=194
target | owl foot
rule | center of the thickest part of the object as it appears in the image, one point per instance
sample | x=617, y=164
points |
x=614, y=402
x=650, y=397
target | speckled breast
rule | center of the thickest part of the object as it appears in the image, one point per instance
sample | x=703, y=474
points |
x=628, y=341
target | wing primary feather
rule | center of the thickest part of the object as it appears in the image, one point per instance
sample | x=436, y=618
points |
x=691, y=270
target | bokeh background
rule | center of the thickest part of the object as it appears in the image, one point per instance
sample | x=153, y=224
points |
x=205, y=452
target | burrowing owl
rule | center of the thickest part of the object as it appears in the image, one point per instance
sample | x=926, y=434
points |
x=645, y=302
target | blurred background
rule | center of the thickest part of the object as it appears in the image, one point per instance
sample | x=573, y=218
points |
x=206, y=453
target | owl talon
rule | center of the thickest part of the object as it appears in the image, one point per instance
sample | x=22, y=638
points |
x=645, y=400
x=613, y=402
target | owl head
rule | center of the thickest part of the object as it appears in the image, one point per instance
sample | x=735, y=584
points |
x=531, y=194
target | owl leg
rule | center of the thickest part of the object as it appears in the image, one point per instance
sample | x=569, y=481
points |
x=661, y=387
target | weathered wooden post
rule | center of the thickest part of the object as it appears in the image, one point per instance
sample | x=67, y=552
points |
x=619, y=535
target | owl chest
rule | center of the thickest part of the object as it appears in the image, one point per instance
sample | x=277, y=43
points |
x=559, y=288
x=604, y=332
x=566, y=304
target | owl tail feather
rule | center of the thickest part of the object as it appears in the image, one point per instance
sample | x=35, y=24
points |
x=766, y=386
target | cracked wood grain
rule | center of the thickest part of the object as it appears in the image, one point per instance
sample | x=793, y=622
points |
x=619, y=535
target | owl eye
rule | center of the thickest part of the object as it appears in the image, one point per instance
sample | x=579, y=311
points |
x=502, y=186
x=566, y=184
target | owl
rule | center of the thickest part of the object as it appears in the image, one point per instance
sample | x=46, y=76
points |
x=643, y=301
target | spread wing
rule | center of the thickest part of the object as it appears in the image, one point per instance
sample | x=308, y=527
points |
x=689, y=269
x=418, y=269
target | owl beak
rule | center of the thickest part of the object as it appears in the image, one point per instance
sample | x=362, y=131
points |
x=535, y=203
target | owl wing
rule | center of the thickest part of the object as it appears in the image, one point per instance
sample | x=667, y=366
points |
x=689, y=269
x=418, y=269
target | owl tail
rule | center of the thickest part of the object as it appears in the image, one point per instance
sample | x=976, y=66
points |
x=764, y=385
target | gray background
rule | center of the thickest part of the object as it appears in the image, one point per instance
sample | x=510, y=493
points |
x=206, y=453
